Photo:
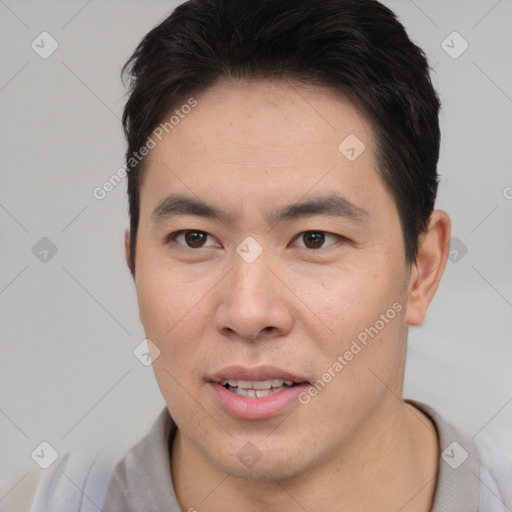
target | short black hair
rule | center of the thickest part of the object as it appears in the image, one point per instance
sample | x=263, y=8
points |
x=355, y=46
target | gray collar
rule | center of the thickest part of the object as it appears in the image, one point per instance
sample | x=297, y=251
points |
x=458, y=479
x=142, y=480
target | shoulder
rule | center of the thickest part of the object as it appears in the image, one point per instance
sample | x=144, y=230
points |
x=75, y=474
x=494, y=452
x=485, y=461
x=17, y=494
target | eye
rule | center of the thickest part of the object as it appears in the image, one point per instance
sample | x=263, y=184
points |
x=316, y=239
x=191, y=238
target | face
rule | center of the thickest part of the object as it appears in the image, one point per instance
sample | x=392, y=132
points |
x=255, y=287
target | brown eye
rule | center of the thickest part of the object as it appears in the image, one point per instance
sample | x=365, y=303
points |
x=189, y=238
x=195, y=239
x=316, y=239
x=313, y=239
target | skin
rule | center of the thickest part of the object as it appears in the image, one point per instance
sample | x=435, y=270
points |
x=250, y=147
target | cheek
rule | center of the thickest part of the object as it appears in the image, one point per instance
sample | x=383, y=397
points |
x=171, y=311
x=364, y=358
x=348, y=298
x=362, y=304
x=173, y=317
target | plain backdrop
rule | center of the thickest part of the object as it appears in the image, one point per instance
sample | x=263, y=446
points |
x=69, y=317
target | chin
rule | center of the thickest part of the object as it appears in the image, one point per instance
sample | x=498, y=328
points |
x=269, y=463
x=272, y=470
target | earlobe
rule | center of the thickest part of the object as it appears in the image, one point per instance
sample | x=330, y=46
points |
x=127, y=251
x=429, y=267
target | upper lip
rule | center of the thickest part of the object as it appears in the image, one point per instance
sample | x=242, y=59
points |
x=238, y=372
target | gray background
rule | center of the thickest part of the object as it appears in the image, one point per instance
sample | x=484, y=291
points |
x=69, y=325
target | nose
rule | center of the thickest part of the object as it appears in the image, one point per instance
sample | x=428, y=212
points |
x=254, y=301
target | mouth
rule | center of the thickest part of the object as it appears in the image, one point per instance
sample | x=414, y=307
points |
x=256, y=393
x=258, y=388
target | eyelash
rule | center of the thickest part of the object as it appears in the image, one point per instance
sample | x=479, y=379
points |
x=172, y=237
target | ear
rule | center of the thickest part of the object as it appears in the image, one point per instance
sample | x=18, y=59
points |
x=127, y=251
x=426, y=273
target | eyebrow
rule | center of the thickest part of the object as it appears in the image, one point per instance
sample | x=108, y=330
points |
x=332, y=205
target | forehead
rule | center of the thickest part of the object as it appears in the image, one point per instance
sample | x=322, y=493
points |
x=273, y=138
x=272, y=115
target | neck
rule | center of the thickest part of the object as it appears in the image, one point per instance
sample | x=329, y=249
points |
x=391, y=464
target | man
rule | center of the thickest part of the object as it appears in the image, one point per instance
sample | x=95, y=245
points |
x=282, y=177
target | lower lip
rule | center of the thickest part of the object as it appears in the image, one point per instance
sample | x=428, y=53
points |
x=248, y=408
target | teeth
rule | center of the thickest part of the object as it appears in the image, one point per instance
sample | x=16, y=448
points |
x=255, y=393
x=261, y=385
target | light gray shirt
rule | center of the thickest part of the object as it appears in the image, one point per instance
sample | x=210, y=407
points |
x=142, y=480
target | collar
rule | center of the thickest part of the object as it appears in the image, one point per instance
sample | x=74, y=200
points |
x=142, y=479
